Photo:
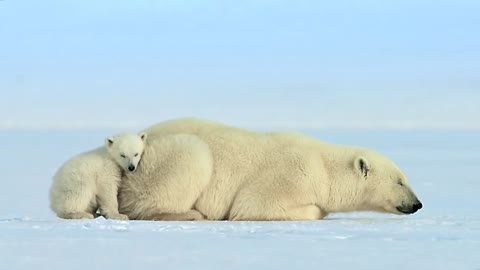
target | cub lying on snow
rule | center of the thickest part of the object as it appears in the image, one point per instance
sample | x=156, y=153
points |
x=89, y=181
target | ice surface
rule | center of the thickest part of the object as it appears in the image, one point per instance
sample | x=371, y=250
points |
x=442, y=167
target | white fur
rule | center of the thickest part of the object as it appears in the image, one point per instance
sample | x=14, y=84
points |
x=173, y=173
x=262, y=176
x=89, y=181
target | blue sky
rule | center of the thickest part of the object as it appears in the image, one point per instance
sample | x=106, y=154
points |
x=265, y=64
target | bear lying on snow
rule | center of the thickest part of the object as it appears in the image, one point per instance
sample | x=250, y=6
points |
x=90, y=181
x=193, y=169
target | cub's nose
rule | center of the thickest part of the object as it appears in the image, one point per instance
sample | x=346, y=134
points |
x=132, y=168
x=417, y=206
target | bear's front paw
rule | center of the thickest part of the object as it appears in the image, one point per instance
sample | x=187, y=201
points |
x=117, y=216
x=194, y=215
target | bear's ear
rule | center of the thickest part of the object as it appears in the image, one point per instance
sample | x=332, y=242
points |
x=109, y=142
x=143, y=136
x=362, y=165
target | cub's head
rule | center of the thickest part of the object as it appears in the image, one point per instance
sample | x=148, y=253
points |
x=126, y=149
x=386, y=187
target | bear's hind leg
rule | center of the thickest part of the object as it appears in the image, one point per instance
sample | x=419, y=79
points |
x=80, y=211
x=77, y=203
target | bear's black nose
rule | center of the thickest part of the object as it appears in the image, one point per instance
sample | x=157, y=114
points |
x=131, y=168
x=417, y=206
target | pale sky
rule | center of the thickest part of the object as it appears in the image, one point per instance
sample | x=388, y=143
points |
x=264, y=64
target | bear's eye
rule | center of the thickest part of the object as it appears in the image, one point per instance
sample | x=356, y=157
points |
x=122, y=155
x=400, y=183
x=136, y=155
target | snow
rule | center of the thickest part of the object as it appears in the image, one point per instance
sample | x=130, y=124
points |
x=441, y=165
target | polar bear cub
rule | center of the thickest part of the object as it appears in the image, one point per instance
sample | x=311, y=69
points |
x=89, y=182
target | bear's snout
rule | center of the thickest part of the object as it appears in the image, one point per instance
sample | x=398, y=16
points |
x=412, y=209
x=131, y=168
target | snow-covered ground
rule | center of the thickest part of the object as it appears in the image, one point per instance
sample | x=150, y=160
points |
x=442, y=166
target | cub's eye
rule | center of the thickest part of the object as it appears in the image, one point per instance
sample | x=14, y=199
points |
x=122, y=155
x=136, y=155
x=400, y=183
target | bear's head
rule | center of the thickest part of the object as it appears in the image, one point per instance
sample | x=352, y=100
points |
x=386, y=187
x=126, y=149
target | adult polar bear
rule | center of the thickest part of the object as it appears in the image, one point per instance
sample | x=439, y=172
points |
x=260, y=176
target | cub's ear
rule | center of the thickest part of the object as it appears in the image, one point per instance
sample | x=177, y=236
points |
x=362, y=165
x=143, y=136
x=109, y=141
